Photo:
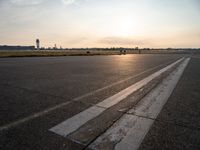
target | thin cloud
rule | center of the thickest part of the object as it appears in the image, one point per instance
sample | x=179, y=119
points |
x=26, y=2
x=70, y=2
x=120, y=41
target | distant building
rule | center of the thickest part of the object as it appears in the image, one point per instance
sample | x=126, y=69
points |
x=7, y=47
x=38, y=44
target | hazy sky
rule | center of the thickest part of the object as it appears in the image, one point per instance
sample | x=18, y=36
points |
x=101, y=23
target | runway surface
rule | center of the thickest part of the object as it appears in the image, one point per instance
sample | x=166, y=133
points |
x=38, y=94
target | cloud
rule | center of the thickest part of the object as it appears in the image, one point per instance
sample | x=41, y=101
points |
x=70, y=2
x=26, y=2
x=120, y=41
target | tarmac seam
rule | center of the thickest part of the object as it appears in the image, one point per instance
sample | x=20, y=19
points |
x=163, y=121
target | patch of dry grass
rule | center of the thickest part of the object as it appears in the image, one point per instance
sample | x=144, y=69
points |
x=54, y=53
x=79, y=53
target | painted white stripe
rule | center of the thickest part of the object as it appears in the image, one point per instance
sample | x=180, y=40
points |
x=126, y=92
x=75, y=122
x=48, y=110
x=152, y=104
x=136, y=134
x=128, y=132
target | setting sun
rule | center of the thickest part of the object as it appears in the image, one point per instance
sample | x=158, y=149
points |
x=124, y=26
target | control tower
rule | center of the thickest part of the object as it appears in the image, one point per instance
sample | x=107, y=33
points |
x=38, y=44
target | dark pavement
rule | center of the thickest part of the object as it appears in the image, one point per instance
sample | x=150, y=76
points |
x=32, y=85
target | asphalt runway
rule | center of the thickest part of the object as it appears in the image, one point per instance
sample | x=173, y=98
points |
x=38, y=93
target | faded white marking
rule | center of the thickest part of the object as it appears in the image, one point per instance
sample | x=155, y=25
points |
x=136, y=134
x=152, y=104
x=128, y=132
x=75, y=122
x=126, y=92
x=48, y=110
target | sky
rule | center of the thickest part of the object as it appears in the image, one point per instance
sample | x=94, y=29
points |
x=101, y=23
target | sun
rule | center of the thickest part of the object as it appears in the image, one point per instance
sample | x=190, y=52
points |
x=122, y=26
x=125, y=27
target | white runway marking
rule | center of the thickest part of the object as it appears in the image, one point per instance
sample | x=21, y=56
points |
x=129, y=132
x=48, y=110
x=75, y=122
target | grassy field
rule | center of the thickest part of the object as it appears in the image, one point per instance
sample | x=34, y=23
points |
x=80, y=53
